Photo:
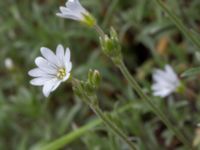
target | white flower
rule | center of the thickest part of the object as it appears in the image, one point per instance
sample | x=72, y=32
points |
x=9, y=63
x=165, y=82
x=52, y=69
x=74, y=10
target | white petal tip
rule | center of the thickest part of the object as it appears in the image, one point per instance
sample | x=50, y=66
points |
x=29, y=73
x=46, y=93
x=32, y=82
x=58, y=14
x=42, y=49
x=60, y=46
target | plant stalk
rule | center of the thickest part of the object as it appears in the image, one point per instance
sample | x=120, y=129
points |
x=154, y=108
x=188, y=34
x=73, y=135
x=112, y=126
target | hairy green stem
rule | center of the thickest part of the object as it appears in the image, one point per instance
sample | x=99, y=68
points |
x=112, y=126
x=99, y=31
x=92, y=102
x=154, y=108
x=77, y=133
x=179, y=24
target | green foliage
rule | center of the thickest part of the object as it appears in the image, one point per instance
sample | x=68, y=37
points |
x=191, y=72
x=148, y=39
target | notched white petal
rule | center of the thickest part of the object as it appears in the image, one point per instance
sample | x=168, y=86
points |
x=60, y=55
x=36, y=72
x=67, y=54
x=48, y=86
x=68, y=66
x=49, y=55
x=39, y=81
x=45, y=66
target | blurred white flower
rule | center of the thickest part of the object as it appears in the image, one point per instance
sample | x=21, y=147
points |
x=52, y=69
x=74, y=10
x=9, y=63
x=165, y=82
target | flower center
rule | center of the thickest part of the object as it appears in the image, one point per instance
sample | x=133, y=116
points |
x=61, y=73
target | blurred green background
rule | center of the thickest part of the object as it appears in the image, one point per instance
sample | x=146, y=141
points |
x=149, y=40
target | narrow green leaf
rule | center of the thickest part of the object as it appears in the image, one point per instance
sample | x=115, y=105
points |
x=191, y=72
x=66, y=139
x=70, y=137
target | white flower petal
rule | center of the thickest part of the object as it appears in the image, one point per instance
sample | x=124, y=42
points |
x=171, y=72
x=67, y=16
x=49, y=56
x=36, y=72
x=73, y=10
x=66, y=77
x=68, y=66
x=60, y=55
x=74, y=5
x=67, y=55
x=64, y=10
x=162, y=93
x=56, y=86
x=162, y=74
x=44, y=65
x=39, y=81
x=49, y=85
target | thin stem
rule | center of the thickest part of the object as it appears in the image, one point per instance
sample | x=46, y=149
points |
x=155, y=109
x=73, y=135
x=92, y=101
x=109, y=13
x=112, y=126
x=179, y=24
x=99, y=30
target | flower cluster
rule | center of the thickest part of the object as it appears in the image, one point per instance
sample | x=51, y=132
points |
x=52, y=69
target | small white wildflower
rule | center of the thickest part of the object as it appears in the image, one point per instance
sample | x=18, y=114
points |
x=52, y=69
x=9, y=63
x=74, y=10
x=165, y=82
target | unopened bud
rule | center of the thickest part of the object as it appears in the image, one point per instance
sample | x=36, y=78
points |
x=94, y=78
x=111, y=46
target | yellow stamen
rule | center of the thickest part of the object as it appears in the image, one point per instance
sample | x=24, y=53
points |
x=61, y=73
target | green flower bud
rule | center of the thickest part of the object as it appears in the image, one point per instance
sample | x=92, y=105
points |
x=94, y=78
x=86, y=90
x=111, y=46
